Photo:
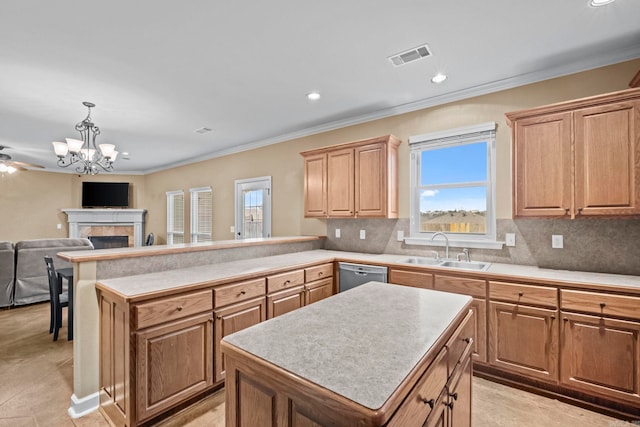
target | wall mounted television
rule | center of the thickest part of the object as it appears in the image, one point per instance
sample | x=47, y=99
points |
x=105, y=194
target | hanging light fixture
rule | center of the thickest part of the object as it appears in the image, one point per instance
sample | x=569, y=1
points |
x=88, y=157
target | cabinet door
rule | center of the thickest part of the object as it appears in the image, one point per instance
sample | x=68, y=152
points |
x=606, y=149
x=285, y=301
x=542, y=166
x=601, y=356
x=173, y=363
x=460, y=398
x=340, y=199
x=524, y=340
x=371, y=180
x=416, y=279
x=318, y=290
x=315, y=186
x=232, y=319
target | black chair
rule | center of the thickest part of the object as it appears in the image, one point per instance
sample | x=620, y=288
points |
x=149, y=241
x=59, y=299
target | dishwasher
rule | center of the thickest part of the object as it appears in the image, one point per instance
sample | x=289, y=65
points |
x=351, y=275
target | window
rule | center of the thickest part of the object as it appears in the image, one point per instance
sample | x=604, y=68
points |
x=253, y=208
x=201, y=214
x=175, y=217
x=453, y=186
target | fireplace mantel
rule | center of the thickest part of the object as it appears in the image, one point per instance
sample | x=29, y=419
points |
x=88, y=217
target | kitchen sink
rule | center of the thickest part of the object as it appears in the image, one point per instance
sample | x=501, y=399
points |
x=447, y=263
x=480, y=266
x=421, y=261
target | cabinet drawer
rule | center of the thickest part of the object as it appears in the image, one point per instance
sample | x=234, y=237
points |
x=424, y=396
x=236, y=292
x=318, y=272
x=524, y=294
x=461, y=340
x=286, y=280
x=601, y=303
x=411, y=278
x=166, y=309
x=461, y=285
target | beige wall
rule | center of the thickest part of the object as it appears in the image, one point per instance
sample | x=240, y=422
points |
x=31, y=201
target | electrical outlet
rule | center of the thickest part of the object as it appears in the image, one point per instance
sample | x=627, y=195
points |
x=510, y=239
x=400, y=235
x=337, y=233
x=557, y=241
x=59, y=226
x=363, y=234
x=232, y=229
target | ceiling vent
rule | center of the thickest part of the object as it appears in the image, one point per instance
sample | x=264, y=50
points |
x=410, y=55
x=203, y=130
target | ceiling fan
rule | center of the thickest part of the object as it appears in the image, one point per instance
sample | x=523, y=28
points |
x=8, y=165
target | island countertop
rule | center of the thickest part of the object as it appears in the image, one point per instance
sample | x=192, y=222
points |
x=360, y=344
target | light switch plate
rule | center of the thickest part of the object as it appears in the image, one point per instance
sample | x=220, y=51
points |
x=400, y=235
x=557, y=241
x=232, y=229
x=59, y=226
x=510, y=239
x=337, y=233
x=363, y=234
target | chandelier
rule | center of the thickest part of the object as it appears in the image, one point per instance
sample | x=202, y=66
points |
x=88, y=158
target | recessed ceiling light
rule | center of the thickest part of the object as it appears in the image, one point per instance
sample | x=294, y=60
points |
x=438, y=78
x=597, y=3
x=313, y=96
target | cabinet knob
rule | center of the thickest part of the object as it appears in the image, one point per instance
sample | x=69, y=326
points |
x=579, y=211
x=243, y=292
x=467, y=340
x=321, y=273
x=286, y=282
x=520, y=294
x=450, y=405
x=602, y=305
x=429, y=402
x=553, y=316
x=219, y=317
x=566, y=211
x=454, y=396
x=179, y=308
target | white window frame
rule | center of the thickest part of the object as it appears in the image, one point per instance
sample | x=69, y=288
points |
x=197, y=235
x=171, y=232
x=449, y=138
x=264, y=183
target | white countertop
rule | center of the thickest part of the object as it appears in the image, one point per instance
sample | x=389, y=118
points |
x=143, y=284
x=360, y=344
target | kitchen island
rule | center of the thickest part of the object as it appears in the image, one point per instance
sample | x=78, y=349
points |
x=379, y=354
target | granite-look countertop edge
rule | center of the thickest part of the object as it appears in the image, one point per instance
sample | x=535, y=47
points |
x=134, y=286
x=360, y=344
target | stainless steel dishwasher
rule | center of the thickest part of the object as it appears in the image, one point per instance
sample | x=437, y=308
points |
x=351, y=275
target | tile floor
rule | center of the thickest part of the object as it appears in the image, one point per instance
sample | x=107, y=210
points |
x=36, y=382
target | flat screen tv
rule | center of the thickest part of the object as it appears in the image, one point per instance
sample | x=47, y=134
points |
x=105, y=194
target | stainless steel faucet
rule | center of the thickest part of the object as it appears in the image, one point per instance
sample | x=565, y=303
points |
x=465, y=254
x=446, y=251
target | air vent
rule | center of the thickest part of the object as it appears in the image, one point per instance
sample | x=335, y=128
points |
x=410, y=55
x=203, y=130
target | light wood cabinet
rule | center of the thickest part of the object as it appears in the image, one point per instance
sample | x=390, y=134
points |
x=418, y=279
x=234, y=318
x=282, y=302
x=523, y=338
x=478, y=323
x=600, y=352
x=578, y=158
x=318, y=290
x=361, y=179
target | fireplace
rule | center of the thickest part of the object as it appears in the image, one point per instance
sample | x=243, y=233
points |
x=107, y=222
x=108, y=242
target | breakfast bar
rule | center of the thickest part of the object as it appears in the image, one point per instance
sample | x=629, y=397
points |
x=379, y=354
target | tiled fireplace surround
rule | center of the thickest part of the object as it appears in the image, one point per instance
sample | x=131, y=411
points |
x=596, y=245
x=107, y=222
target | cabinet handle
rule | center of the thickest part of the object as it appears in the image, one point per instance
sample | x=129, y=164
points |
x=243, y=292
x=454, y=395
x=219, y=317
x=179, y=308
x=553, y=317
x=566, y=319
x=467, y=340
x=321, y=273
x=602, y=305
x=450, y=405
x=429, y=402
x=520, y=294
x=579, y=211
x=566, y=211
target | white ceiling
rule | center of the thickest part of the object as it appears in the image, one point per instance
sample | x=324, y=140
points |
x=159, y=69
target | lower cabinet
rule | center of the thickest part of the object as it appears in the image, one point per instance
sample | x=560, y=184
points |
x=524, y=340
x=318, y=290
x=285, y=301
x=234, y=318
x=414, y=278
x=173, y=363
x=601, y=356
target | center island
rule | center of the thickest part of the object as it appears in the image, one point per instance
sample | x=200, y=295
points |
x=376, y=355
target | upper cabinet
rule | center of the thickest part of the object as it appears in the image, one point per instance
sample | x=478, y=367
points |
x=352, y=180
x=578, y=158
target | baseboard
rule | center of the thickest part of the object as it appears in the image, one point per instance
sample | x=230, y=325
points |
x=84, y=406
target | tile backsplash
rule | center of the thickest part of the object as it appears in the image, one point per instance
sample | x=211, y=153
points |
x=597, y=245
